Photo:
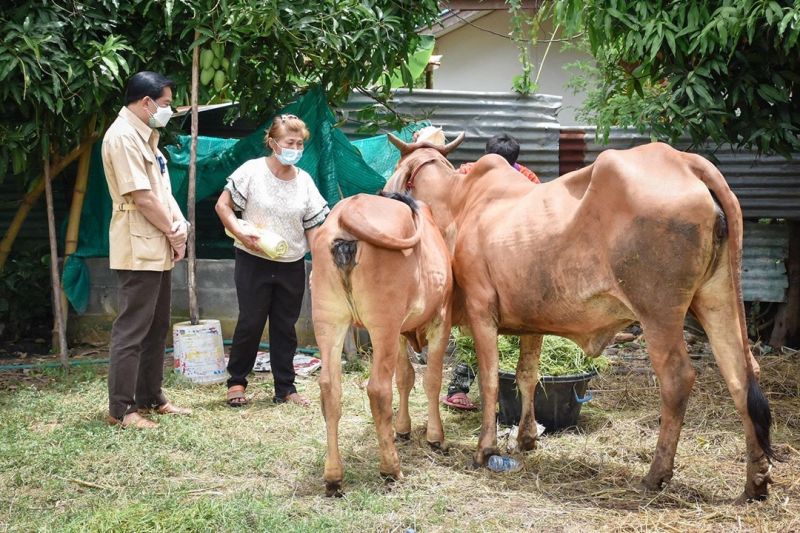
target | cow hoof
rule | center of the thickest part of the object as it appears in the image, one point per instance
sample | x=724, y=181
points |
x=333, y=489
x=482, y=456
x=402, y=437
x=441, y=447
x=644, y=487
x=748, y=497
x=526, y=444
x=655, y=484
x=754, y=493
x=391, y=478
x=759, y=476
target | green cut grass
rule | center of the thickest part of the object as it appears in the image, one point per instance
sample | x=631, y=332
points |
x=559, y=356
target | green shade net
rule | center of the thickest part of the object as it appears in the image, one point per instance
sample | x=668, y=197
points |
x=339, y=169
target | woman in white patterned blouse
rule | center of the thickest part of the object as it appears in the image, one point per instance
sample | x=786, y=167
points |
x=272, y=194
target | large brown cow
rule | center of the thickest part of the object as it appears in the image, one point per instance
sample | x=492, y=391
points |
x=381, y=264
x=637, y=235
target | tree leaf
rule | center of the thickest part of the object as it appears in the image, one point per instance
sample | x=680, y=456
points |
x=7, y=68
x=112, y=66
x=670, y=41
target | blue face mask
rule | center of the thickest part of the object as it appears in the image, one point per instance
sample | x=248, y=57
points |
x=288, y=156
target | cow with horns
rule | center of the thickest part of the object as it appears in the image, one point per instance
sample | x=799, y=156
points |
x=645, y=234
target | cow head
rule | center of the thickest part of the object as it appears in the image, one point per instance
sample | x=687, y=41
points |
x=406, y=148
x=415, y=156
x=424, y=171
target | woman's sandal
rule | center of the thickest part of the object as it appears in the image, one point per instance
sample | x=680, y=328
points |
x=459, y=401
x=236, y=397
x=294, y=398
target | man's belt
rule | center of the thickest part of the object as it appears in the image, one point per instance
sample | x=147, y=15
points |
x=125, y=207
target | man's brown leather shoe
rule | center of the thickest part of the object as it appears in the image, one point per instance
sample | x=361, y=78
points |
x=134, y=420
x=167, y=409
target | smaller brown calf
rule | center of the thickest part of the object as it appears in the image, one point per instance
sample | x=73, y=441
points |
x=380, y=262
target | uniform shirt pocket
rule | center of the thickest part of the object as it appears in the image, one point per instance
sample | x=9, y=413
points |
x=147, y=241
x=141, y=227
x=147, y=249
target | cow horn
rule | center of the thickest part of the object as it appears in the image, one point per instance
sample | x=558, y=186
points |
x=401, y=145
x=452, y=145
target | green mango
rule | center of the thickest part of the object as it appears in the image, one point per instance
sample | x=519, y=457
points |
x=206, y=75
x=225, y=63
x=216, y=63
x=218, y=49
x=219, y=80
x=206, y=58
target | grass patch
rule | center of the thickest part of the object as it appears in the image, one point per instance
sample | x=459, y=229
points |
x=259, y=468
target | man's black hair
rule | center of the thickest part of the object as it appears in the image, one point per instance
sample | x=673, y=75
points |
x=146, y=83
x=504, y=145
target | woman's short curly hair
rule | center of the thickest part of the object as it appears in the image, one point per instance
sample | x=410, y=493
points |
x=283, y=125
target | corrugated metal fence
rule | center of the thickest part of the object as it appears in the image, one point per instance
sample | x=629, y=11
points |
x=764, y=253
x=532, y=120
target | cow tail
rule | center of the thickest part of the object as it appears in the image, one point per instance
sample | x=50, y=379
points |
x=344, y=254
x=760, y=415
x=344, y=257
x=757, y=404
x=376, y=237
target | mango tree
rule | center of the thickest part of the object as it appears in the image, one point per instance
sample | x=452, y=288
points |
x=63, y=65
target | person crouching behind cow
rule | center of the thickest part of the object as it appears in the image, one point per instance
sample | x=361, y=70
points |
x=272, y=194
x=508, y=147
x=463, y=374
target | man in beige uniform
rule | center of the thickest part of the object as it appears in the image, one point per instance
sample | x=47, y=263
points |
x=147, y=235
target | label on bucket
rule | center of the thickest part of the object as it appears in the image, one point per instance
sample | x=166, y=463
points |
x=199, y=352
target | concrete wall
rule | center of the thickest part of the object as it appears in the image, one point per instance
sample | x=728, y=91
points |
x=477, y=60
x=216, y=298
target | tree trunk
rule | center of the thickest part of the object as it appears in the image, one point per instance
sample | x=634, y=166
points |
x=76, y=208
x=190, y=201
x=51, y=227
x=32, y=196
x=787, y=319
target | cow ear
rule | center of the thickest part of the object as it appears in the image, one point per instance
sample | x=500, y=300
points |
x=402, y=146
x=397, y=181
x=449, y=147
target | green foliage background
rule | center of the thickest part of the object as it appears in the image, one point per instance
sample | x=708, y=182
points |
x=724, y=70
x=63, y=61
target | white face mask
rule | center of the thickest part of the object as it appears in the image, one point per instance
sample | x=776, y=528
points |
x=288, y=156
x=160, y=118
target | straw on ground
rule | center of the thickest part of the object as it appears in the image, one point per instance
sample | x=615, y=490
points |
x=260, y=468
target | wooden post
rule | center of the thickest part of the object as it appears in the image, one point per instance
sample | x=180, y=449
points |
x=75, y=209
x=190, y=201
x=56, y=282
x=787, y=319
x=33, y=195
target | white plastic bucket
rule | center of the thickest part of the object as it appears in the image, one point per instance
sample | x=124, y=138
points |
x=198, y=351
